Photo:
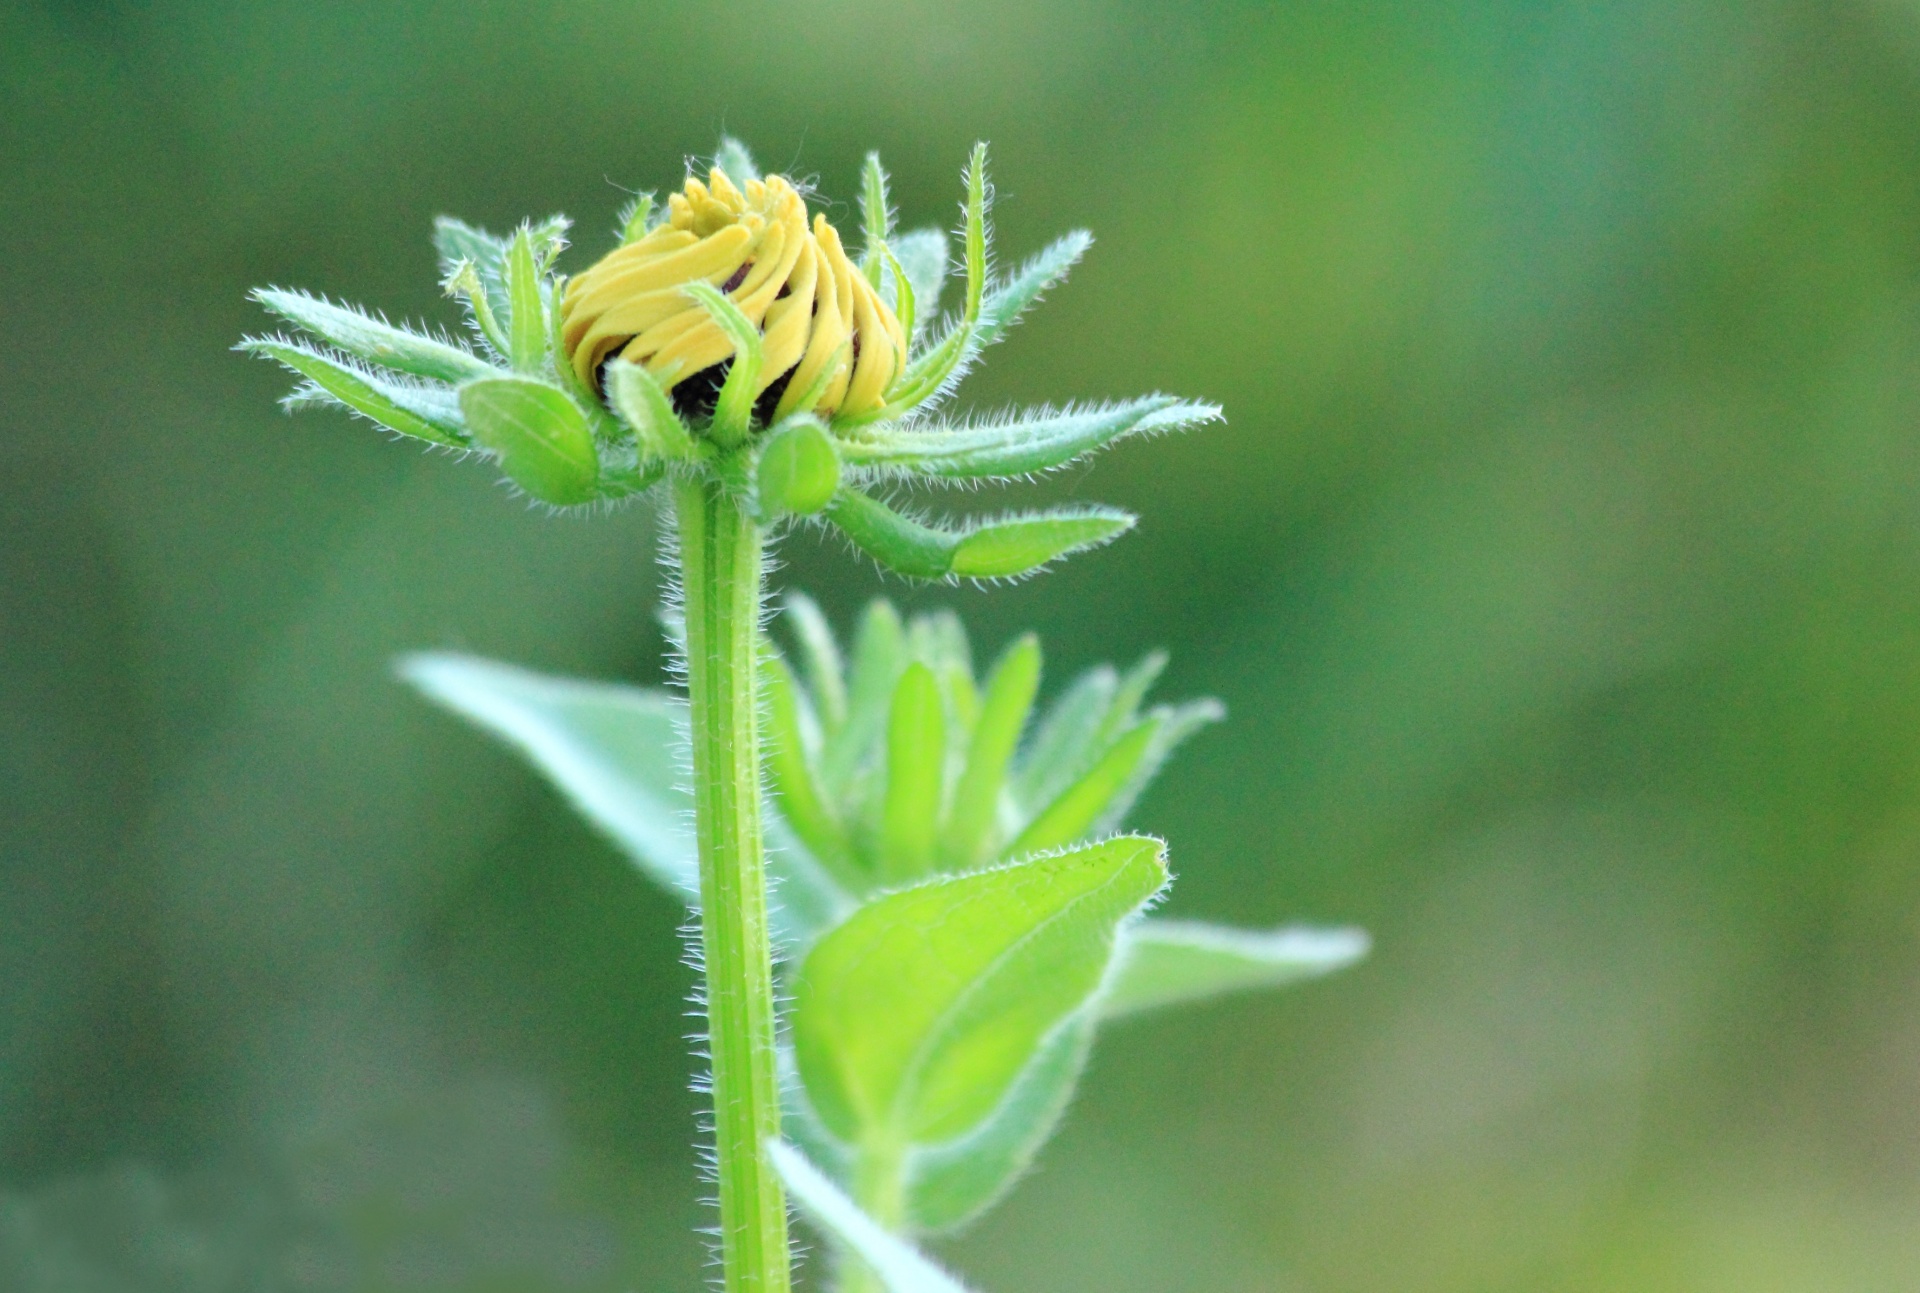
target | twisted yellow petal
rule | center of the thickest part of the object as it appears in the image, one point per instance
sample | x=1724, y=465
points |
x=824, y=329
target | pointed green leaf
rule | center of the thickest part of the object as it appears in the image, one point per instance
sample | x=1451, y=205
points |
x=526, y=314
x=426, y=412
x=541, y=437
x=612, y=750
x=375, y=340
x=916, y=761
x=1172, y=725
x=922, y=255
x=735, y=162
x=879, y=654
x=1169, y=962
x=799, y=468
x=876, y=217
x=1010, y=298
x=1020, y=545
x=967, y=836
x=898, y=1265
x=913, y=1018
x=1067, y=741
x=1036, y=440
x=1072, y=816
x=616, y=753
x=634, y=219
x=643, y=405
x=951, y=1184
x=929, y=374
x=790, y=757
x=820, y=654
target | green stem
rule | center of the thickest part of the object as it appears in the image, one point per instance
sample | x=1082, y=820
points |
x=721, y=573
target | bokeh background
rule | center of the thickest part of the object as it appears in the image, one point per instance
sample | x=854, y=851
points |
x=1559, y=565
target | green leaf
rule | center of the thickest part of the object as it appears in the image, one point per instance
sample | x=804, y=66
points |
x=928, y=374
x=913, y=1019
x=1067, y=741
x=735, y=162
x=951, y=1184
x=1010, y=298
x=375, y=340
x=922, y=255
x=643, y=405
x=820, y=653
x=1031, y=441
x=526, y=314
x=998, y=549
x=634, y=219
x=1020, y=545
x=425, y=412
x=968, y=833
x=879, y=654
x=898, y=1265
x=1080, y=805
x=1172, y=725
x=799, y=468
x=1168, y=962
x=916, y=762
x=616, y=753
x=612, y=750
x=542, y=438
x=790, y=757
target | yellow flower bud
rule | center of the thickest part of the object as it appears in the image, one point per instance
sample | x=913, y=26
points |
x=823, y=326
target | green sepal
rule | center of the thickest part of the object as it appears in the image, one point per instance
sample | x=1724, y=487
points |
x=540, y=436
x=999, y=549
x=375, y=340
x=1172, y=962
x=733, y=410
x=526, y=313
x=429, y=413
x=916, y=766
x=464, y=284
x=929, y=373
x=914, y=1017
x=642, y=403
x=799, y=468
x=1031, y=441
x=1009, y=299
x=635, y=219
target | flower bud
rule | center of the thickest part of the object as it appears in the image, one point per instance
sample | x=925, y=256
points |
x=826, y=332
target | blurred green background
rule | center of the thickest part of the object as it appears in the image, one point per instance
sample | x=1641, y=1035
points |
x=1559, y=565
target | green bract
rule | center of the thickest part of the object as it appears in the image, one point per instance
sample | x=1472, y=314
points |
x=514, y=393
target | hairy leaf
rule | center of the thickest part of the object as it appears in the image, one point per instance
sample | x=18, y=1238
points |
x=998, y=549
x=913, y=1018
x=375, y=340
x=922, y=255
x=1168, y=962
x=916, y=758
x=968, y=832
x=1020, y=444
x=425, y=412
x=952, y=1183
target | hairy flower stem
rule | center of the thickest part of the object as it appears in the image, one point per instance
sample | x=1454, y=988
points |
x=721, y=574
